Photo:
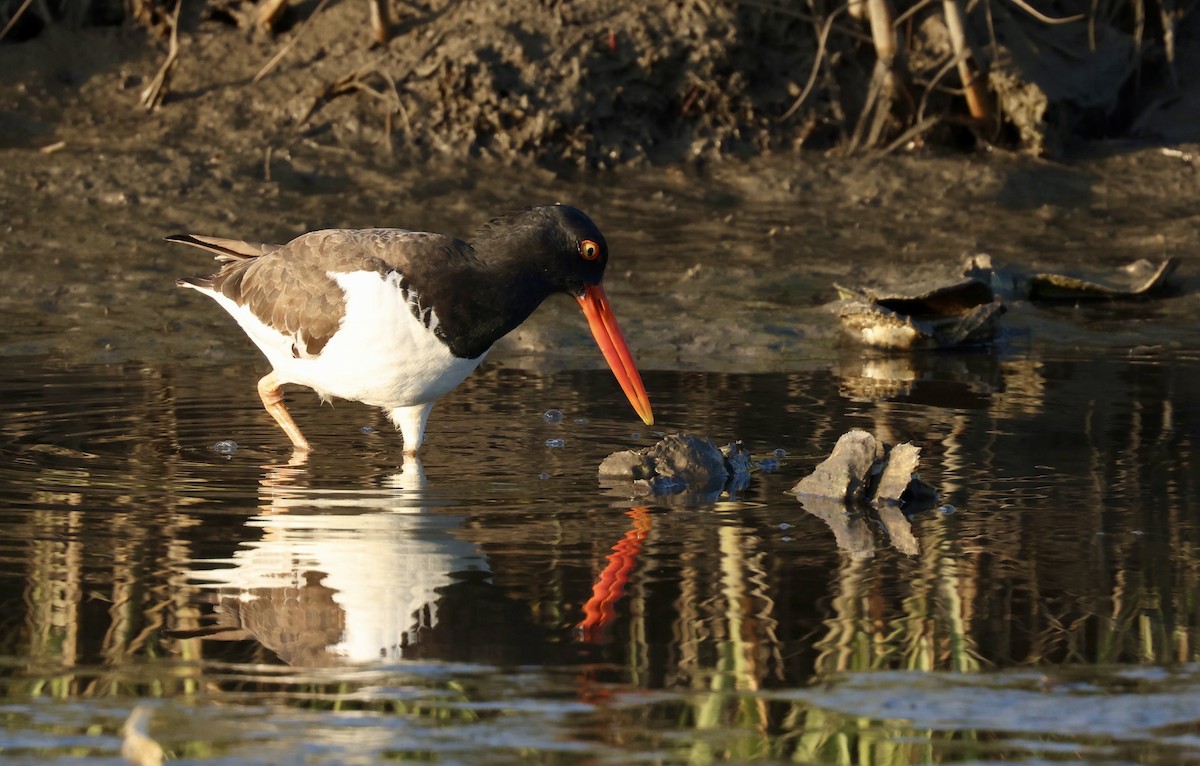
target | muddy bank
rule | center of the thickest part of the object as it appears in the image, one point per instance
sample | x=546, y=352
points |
x=584, y=84
x=729, y=269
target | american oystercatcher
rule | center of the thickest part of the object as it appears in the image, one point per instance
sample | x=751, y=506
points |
x=396, y=319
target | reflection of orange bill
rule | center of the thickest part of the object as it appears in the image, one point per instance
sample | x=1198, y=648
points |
x=610, y=588
x=612, y=344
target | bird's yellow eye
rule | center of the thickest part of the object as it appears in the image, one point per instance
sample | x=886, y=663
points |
x=589, y=250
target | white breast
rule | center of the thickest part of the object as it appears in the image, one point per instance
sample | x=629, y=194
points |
x=381, y=354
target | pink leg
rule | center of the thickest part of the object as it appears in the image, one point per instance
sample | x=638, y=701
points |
x=272, y=399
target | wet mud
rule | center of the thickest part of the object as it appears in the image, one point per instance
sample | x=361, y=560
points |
x=726, y=268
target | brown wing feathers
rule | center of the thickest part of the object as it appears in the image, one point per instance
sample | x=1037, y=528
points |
x=289, y=292
x=288, y=287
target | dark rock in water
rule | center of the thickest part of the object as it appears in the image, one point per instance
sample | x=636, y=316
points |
x=843, y=475
x=690, y=459
x=739, y=464
x=898, y=473
x=225, y=447
x=861, y=470
x=935, y=315
x=679, y=464
x=1140, y=279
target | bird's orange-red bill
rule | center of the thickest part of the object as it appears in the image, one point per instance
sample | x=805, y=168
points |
x=612, y=344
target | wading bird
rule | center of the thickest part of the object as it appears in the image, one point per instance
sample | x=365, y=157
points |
x=396, y=319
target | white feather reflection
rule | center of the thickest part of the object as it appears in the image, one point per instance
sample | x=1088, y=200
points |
x=349, y=575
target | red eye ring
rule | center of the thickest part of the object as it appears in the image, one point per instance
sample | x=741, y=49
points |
x=589, y=250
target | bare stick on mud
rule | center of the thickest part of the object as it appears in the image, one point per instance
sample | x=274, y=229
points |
x=15, y=17
x=356, y=81
x=822, y=40
x=269, y=13
x=886, y=89
x=156, y=91
x=973, y=82
x=883, y=34
x=379, y=20
x=290, y=43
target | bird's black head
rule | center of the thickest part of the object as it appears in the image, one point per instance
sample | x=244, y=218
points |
x=556, y=244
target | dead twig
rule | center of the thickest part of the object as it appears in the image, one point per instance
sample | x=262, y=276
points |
x=908, y=135
x=290, y=43
x=15, y=18
x=912, y=11
x=1034, y=12
x=887, y=80
x=822, y=40
x=973, y=83
x=850, y=32
x=156, y=91
x=872, y=110
x=379, y=20
x=269, y=13
x=354, y=82
x=887, y=48
x=933, y=85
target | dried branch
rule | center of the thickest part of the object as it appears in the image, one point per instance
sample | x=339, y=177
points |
x=354, y=82
x=156, y=91
x=1034, y=12
x=269, y=13
x=15, y=17
x=822, y=39
x=921, y=127
x=850, y=32
x=379, y=20
x=290, y=43
x=976, y=92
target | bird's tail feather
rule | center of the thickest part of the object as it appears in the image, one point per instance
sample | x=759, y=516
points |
x=226, y=250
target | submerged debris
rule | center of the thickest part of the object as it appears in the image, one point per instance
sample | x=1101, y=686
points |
x=1140, y=279
x=923, y=316
x=681, y=464
x=225, y=447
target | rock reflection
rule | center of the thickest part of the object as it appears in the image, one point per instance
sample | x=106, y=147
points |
x=338, y=575
x=853, y=530
x=850, y=530
x=965, y=380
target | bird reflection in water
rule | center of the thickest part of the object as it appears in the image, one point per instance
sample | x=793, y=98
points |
x=337, y=576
